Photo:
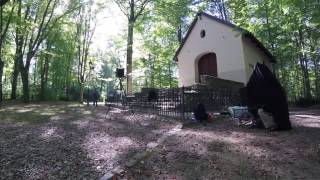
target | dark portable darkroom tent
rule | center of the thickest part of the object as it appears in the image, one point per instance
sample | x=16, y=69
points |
x=265, y=91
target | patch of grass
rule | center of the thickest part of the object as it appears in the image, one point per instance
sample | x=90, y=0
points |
x=27, y=117
x=32, y=113
x=244, y=167
x=306, y=102
x=218, y=146
x=315, y=148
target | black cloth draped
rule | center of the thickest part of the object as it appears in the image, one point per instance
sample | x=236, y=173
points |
x=265, y=91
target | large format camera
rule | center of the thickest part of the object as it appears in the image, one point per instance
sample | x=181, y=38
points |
x=120, y=73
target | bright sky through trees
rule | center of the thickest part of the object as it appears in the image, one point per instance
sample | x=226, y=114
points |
x=111, y=23
x=52, y=52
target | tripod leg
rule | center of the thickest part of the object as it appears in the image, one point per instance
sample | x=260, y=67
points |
x=109, y=107
x=113, y=98
x=133, y=115
x=108, y=110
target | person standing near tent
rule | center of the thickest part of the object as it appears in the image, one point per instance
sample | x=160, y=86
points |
x=201, y=114
x=95, y=97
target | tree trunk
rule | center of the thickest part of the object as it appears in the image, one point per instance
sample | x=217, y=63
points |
x=317, y=84
x=306, y=81
x=101, y=87
x=25, y=84
x=170, y=76
x=1, y=73
x=129, y=56
x=315, y=58
x=81, y=92
x=304, y=66
x=14, y=82
x=42, y=87
x=68, y=82
x=317, y=76
x=154, y=74
x=135, y=10
x=44, y=79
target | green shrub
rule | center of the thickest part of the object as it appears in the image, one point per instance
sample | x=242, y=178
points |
x=306, y=102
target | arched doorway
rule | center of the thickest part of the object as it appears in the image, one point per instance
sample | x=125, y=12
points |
x=207, y=65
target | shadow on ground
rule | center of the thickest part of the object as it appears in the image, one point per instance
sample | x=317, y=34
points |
x=69, y=141
x=222, y=150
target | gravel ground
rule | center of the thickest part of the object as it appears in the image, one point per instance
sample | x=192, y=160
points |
x=69, y=141
x=223, y=150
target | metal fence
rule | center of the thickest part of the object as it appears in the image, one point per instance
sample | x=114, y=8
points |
x=179, y=102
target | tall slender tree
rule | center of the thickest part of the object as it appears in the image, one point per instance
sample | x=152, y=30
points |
x=159, y=31
x=85, y=30
x=29, y=37
x=132, y=9
x=36, y=20
x=5, y=21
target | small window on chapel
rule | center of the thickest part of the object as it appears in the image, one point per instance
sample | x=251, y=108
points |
x=203, y=33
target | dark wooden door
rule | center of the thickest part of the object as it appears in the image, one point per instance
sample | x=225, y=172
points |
x=207, y=65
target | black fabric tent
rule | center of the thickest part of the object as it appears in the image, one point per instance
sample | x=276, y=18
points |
x=265, y=91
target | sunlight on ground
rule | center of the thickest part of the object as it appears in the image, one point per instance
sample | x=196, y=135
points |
x=311, y=121
x=116, y=111
x=9, y=108
x=32, y=113
x=50, y=133
x=81, y=123
x=235, y=141
x=77, y=105
x=104, y=143
x=55, y=118
x=86, y=112
x=47, y=113
x=103, y=147
x=24, y=110
x=33, y=106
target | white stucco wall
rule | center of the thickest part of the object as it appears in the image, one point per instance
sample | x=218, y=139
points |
x=253, y=55
x=220, y=39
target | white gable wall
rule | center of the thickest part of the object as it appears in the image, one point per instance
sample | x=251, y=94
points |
x=252, y=56
x=220, y=39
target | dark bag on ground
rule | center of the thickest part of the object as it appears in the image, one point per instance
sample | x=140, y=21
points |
x=200, y=113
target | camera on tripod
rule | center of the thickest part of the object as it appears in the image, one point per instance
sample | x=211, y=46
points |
x=119, y=96
x=120, y=75
x=120, y=72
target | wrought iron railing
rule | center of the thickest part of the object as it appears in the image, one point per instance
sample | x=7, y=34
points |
x=179, y=102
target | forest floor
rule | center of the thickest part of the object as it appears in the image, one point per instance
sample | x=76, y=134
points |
x=71, y=141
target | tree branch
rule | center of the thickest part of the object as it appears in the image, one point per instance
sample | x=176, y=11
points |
x=142, y=7
x=4, y=32
x=41, y=28
x=122, y=7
